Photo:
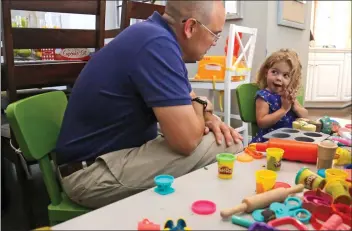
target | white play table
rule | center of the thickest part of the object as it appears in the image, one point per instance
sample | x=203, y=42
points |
x=202, y=184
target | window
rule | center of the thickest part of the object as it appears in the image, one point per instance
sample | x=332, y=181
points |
x=119, y=10
x=234, y=9
x=331, y=24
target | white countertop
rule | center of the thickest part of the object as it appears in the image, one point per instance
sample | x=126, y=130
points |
x=199, y=185
x=328, y=50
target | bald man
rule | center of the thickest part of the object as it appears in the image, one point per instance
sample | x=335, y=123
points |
x=109, y=147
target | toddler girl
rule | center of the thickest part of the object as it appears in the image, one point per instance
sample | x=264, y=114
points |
x=276, y=104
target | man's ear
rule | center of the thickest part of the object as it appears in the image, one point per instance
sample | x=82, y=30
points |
x=190, y=27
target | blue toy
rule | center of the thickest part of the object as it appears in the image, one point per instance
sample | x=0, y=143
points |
x=163, y=184
x=292, y=207
x=321, y=172
x=180, y=226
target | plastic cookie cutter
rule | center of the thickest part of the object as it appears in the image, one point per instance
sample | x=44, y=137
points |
x=253, y=153
x=163, y=184
x=316, y=200
x=332, y=222
x=256, y=226
x=287, y=221
x=344, y=211
x=292, y=207
x=180, y=225
x=147, y=225
x=244, y=157
x=335, y=223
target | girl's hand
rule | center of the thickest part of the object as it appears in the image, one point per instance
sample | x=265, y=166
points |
x=286, y=101
x=292, y=95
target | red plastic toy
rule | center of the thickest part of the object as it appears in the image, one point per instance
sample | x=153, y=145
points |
x=334, y=222
x=287, y=221
x=253, y=153
x=237, y=45
x=147, y=225
x=294, y=150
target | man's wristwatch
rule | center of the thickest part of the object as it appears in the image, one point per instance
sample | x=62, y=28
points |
x=199, y=100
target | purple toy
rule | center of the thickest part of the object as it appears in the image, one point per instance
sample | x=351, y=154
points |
x=260, y=226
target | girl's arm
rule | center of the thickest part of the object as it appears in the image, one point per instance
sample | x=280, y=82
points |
x=264, y=119
x=300, y=111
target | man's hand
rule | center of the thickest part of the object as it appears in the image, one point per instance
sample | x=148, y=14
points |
x=220, y=130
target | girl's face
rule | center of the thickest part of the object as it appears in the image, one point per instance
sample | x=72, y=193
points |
x=278, y=77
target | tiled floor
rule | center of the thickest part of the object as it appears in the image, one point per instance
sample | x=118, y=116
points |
x=11, y=219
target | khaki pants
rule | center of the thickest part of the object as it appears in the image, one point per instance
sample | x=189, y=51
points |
x=120, y=174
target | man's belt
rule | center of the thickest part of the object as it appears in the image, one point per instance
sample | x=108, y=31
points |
x=68, y=169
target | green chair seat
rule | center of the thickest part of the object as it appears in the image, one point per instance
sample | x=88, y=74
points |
x=66, y=210
x=36, y=122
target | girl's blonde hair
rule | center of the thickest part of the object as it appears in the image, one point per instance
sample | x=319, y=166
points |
x=291, y=58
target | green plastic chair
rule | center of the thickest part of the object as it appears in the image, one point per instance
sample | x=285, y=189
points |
x=245, y=94
x=300, y=96
x=36, y=123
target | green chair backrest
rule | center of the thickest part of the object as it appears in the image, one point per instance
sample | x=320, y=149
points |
x=300, y=96
x=36, y=123
x=246, y=103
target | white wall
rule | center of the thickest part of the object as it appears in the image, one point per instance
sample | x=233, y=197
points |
x=286, y=37
x=271, y=36
x=255, y=14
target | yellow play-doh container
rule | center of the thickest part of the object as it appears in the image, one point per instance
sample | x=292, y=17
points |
x=265, y=180
x=339, y=190
x=309, y=179
x=43, y=228
x=335, y=174
x=226, y=163
x=273, y=158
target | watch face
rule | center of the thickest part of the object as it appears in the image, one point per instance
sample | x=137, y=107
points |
x=203, y=99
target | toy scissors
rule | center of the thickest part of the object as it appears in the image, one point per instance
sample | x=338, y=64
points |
x=292, y=207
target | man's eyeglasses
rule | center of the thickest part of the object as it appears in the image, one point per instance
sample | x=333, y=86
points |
x=216, y=36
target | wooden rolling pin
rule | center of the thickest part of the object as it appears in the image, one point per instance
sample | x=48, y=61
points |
x=262, y=200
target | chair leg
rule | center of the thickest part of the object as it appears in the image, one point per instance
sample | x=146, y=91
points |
x=4, y=195
x=53, y=223
x=25, y=195
x=245, y=134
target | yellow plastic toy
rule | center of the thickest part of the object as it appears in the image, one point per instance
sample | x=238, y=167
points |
x=342, y=156
x=265, y=180
x=43, y=228
x=212, y=68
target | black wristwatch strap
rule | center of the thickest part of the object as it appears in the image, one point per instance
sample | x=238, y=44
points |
x=203, y=102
